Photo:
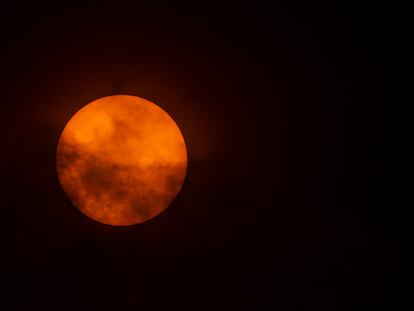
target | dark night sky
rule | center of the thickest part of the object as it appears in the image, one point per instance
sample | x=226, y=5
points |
x=275, y=209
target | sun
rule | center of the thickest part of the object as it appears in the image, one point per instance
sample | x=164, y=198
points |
x=121, y=160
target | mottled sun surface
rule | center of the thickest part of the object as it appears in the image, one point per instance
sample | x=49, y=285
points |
x=121, y=160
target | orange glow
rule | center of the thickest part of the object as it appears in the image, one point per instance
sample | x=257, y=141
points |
x=121, y=160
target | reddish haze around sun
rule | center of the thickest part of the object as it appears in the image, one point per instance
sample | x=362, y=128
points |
x=121, y=160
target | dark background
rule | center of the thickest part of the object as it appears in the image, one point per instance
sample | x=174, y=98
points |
x=281, y=109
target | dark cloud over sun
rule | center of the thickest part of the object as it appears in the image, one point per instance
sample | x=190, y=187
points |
x=121, y=160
